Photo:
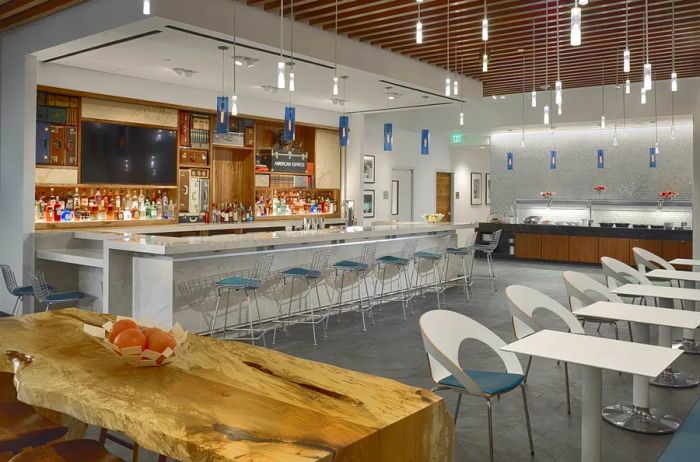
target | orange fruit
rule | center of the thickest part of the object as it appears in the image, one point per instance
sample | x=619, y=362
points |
x=147, y=331
x=119, y=326
x=160, y=340
x=130, y=338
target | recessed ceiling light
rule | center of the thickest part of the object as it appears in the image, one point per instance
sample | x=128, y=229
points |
x=503, y=97
x=180, y=71
x=245, y=61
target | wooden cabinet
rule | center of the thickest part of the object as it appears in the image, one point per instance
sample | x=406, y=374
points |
x=654, y=246
x=614, y=247
x=583, y=249
x=528, y=246
x=555, y=247
x=677, y=249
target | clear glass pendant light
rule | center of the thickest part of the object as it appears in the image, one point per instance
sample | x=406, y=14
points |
x=558, y=84
x=419, y=26
x=674, y=75
x=558, y=109
x=575, y=25
x=674, y=81
x=602, y=121
x=557, y=92
x=455, y=88
x=647, y=77
x=647, y=65
x=485, y=62
x=546, y=114
x=280, y=75
x=146, y=7
x=448, y=87
x=335, y=86
x=534, y=92
x=484, y=25
x=280, y=65
x=644, y=95
x=628, y=87
x=533, y=98
x=626, y=61
x=461, y=118
x=291, y=81
x=234, y=105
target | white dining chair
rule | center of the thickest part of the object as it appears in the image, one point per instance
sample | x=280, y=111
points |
x=524, y=302
x=618, y=273
x=648, y=261
x=582, y=290
x=443, y=332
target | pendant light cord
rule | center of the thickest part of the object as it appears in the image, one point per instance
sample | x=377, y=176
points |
x=335, y=51
x=281, y=28
x=234, y=47
x=558, y=75
x=533, y=55
x=673, y=35
x=448, y=37
x=223, y=69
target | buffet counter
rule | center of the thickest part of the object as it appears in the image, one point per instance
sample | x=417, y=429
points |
x=585, y=244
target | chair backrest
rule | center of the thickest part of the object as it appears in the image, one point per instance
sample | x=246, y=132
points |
x=648, y=261
x=369, y=251
x=41, y=287
x=525, y=301
x=441, y=245
x=320, y=259
x=618, y=273
x=495, y=239
x=472, y=240
x=584, y=290
x=443, y=332
x=409, y=248
x=261, y=270
x=10, y=280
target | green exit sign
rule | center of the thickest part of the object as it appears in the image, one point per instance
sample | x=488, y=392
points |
x=457, y=138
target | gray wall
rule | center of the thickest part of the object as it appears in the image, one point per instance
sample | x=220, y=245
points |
x=626, y=174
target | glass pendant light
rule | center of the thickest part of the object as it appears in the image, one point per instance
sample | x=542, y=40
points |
x=335, y=53
x=455, y=87
x=626, y=61
x=147, y=7
x=291, y=80
x=234, y=105
x=419, y=26
x=557, y=92
x=280, y=65
x=557, y=84
x=448, y=87
x=647, y=65
x=628, y=87
x=674, y=75
x=534, y=92
x=281, y=81
x=558, y=109
x=575, y=25
x=484, y=24
x=461, y=118
x=546, y=114
x=335, y=86
x=674, y=81
x=533, y=98
x=644, y=95
x=626, y=58
x=647, y=76
x=485, y=61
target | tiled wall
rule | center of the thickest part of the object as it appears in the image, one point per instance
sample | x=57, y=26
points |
x=626, y=174
x=637, y=215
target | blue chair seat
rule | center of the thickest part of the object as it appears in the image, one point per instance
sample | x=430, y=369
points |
x=685, y=444
x=428, y=255
x=350, y=265
x=393, y=260
x=65, y=296
x=301, y=273
x=459, y=250
x=492, y=383
x=26, y=290
x=239, y=282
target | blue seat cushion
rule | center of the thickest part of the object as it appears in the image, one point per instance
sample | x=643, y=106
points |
x=350, y=265
x=239, y=282
x=26, y=290
x=393, y=260
x=428, y=255
x=459, y=250
x=65, y=296
x=685, y=444
x=301, y=273
x=492, y=383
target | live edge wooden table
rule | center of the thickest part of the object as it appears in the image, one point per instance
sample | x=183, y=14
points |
x=225, y=401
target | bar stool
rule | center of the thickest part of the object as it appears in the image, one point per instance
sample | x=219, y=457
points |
x=466, y=254
x=45, y=295
x=13, y=288
x=360, y=268
x=311, y=274
x=488, y=250
x=400, y=264
x=248, y=285
x=432, y=257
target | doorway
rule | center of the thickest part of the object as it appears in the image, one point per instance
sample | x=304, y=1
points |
x=443, y=194
x=401, y=194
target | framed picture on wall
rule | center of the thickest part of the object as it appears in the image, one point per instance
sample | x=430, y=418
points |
x=487, y=188
x=368, y=169
x=476, y=189
x=368, y=203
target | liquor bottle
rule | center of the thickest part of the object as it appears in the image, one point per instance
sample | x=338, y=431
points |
x=110, y=206
x=84, y=201
x=142, y=200
x=159, y=209
x=117, y=202
x=166, y=206
x=98, y=199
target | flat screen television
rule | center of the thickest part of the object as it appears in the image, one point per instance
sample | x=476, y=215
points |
x=124, y=154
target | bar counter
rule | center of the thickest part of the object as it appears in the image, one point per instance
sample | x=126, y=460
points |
x=166, y=276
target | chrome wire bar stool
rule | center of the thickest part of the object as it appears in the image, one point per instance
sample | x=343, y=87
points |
x=15, y=289
x=249, y=285
x=360, y=269
x=46, y=295
x=434, y=259
x=466, y=254
x=488, y=250
x=400, y=264
x=311, y=275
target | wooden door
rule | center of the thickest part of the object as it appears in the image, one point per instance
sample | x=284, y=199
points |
x=443, y=195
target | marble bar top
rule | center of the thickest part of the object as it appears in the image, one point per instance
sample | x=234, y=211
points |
x=170, y=245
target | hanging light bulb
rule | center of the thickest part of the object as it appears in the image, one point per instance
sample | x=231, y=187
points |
x=575, y=25
x=626, y=61
x=455, y=88
x=674, y=81
x=656, y=148
x=647, y=76
x=291, y=81
x=628, y=87
x=280, y=75
x=146, y=7
x=557, y=92
x=485, y=62
x=644, y=95
x=602, y=121
x=485, y=30
x=234, y=107
x=419, y=32
x=558, y=109
x=534, y=98
x=546, y=114
x=448, y=86
x=461, y=118
x=335, y=85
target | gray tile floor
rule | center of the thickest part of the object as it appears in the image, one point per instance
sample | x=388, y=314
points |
x=393, y=348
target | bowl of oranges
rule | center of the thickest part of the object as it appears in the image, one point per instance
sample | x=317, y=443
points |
x=139, y=345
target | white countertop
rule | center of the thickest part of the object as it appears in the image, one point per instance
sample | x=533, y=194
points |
x=169, y=245
x=671, y=274
x=642, y=314
x=673, y=293
x=599, y=352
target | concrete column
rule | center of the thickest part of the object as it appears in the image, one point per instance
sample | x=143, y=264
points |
x=17, y=138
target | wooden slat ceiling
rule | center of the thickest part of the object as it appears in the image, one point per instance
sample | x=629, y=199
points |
x=390, y=24
x=14, y=13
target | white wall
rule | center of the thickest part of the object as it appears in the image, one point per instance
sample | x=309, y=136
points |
x=465, y=160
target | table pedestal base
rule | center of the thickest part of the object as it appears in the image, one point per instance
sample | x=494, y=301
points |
x=688, y=345
x=640, y=420
x=671, y=378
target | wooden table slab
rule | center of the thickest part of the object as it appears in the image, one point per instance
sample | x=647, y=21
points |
x=226, y=401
